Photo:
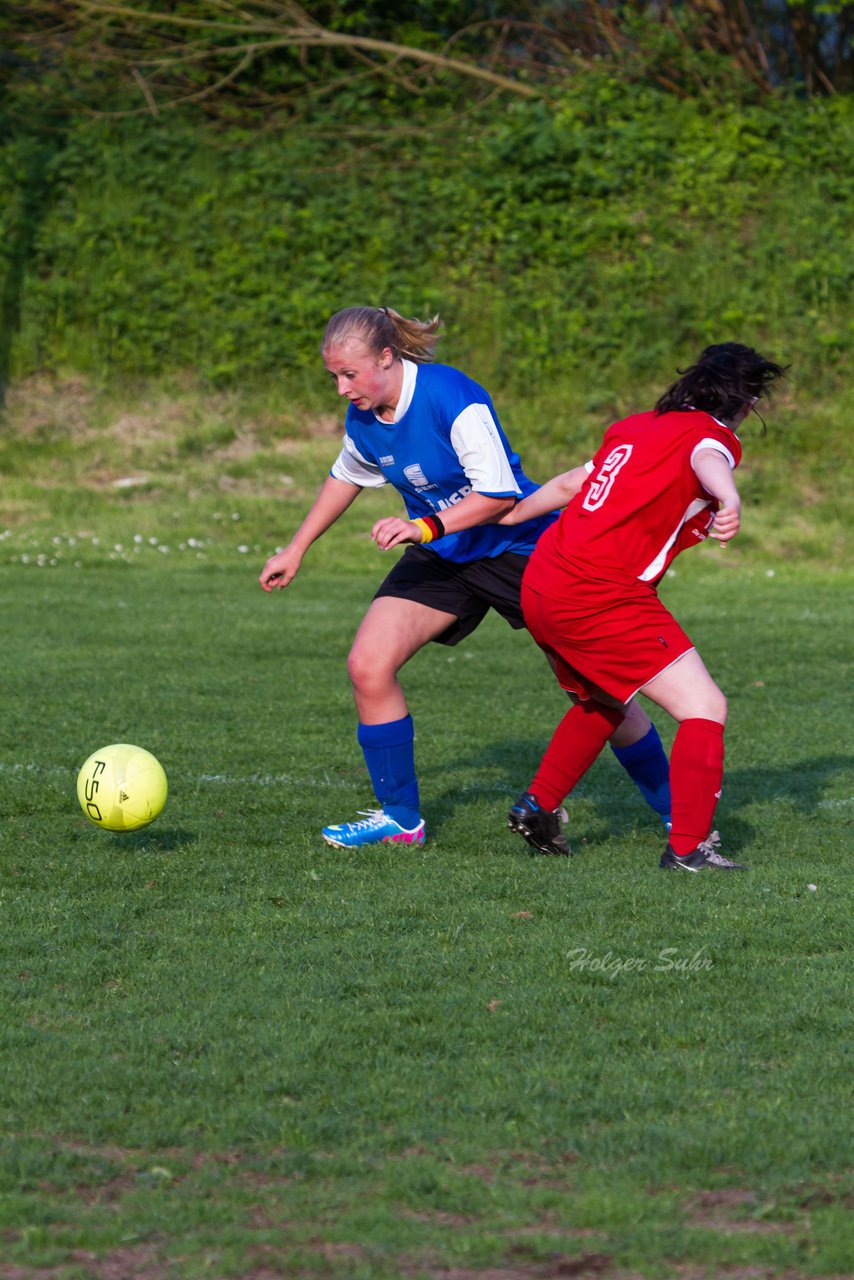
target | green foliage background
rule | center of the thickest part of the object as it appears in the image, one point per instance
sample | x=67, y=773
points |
x=598, y=236
x=580, y=247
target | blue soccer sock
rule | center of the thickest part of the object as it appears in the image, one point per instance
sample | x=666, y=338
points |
x=389, y=751
x=646, y=764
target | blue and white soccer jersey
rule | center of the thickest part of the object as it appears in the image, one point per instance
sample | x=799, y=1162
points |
x=445, y=442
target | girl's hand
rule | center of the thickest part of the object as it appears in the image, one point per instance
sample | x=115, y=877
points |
x=727, y=522
x=392, y=531
x=281, y=569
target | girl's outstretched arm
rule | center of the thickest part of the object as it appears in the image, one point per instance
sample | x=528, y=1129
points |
x=552, y=496
x=472, y=510
x=331, y=502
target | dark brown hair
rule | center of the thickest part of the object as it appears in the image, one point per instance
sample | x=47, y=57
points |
x=726, y=377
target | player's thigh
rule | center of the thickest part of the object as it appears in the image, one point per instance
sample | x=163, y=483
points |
x=686, y=691
x=392, y=630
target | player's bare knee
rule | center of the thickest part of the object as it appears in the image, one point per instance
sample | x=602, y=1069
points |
x=358, y=667
x=366, y=673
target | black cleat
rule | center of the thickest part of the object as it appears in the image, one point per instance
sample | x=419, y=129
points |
x=705, y=855
x=540, y=827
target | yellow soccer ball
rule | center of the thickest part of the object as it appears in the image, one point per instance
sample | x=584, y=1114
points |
x=121, y=787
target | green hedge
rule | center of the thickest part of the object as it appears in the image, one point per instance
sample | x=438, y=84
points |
x=614, y=229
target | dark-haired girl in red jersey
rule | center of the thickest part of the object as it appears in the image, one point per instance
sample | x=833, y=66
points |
x=661, y=481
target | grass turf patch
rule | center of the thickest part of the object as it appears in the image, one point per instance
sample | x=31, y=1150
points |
x=231, y=1050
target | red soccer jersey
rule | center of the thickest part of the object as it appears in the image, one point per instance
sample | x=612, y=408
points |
x=641, y=503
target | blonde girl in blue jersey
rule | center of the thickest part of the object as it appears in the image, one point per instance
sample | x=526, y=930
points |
x=433, y=434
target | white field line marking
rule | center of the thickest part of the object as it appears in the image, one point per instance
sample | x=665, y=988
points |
x=33, y=770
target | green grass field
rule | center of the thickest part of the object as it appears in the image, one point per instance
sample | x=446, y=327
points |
x=229, y=1050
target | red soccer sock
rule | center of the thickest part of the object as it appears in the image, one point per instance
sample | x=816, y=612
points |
x=575, y=744
x=696, y=775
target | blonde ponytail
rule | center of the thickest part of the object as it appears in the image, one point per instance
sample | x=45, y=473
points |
x=381, y=327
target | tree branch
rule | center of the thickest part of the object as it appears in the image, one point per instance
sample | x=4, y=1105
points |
x=306, y=34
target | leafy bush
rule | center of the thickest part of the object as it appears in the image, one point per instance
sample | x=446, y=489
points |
x=611, y=230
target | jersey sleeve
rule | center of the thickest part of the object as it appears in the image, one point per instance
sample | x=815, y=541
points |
x=353, y=468
x=710, y=442
x=712, y=434
x=482, y=455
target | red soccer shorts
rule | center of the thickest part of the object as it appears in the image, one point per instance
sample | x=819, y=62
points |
x=609, y=636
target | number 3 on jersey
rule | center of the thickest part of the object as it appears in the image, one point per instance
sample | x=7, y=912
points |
x=601, y=485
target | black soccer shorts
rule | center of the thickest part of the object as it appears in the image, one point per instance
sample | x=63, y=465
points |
x=468, y=591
